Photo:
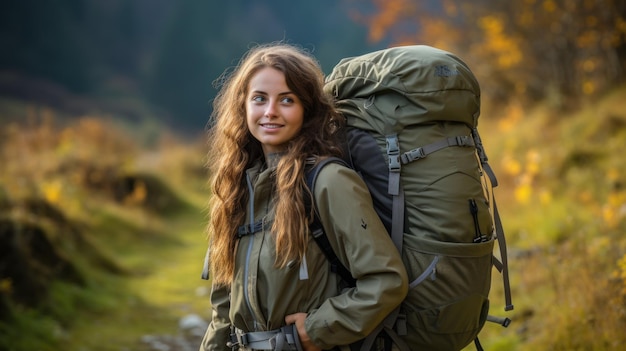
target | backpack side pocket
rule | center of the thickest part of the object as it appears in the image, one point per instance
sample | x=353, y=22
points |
x=448, y=303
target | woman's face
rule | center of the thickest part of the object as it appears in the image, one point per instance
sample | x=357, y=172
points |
x=274, y=114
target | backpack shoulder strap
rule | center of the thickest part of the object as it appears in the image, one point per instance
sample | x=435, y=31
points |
x=321, y=239
x=316, y=227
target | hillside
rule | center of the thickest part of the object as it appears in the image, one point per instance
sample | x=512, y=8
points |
x=563, y=203
x=102, y=242
x=101, y=229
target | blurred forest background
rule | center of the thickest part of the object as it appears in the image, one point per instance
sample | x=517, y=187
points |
x=103, y=107
x=144, y=57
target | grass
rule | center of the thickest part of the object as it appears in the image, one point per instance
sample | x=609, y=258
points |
x=140, y=252
x=561, y=196
x=162, y=259
x=563, y=205
x=164, y=253
x=152, y=301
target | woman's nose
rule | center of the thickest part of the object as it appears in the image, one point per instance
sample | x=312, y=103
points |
x=270, y=109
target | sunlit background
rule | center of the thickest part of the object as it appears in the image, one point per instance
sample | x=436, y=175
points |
x=103, y=109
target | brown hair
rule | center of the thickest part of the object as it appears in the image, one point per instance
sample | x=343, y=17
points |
x=233, y=149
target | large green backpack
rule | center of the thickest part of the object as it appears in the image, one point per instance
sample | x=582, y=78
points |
x=412, y=113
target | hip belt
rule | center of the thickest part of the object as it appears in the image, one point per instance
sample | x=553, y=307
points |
x=282, y=339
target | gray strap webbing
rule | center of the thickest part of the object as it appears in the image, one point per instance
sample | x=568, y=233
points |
x=397, y=220
x=503, y=321
x=285, y=338
x=496, y=263
x=368, y=342
x=503, y=266
x=503, y=256
x=484, y=160
x=423, y=151
x=253, y=228
x=394, y=188
x=243, y=230
x=393, y=157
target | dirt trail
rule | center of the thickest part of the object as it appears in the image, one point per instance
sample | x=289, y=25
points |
x=166, y=308
x=176, y=287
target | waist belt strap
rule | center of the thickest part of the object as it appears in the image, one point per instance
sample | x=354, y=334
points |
x=282, y=339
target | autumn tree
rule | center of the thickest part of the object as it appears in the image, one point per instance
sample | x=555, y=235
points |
x=556, y=49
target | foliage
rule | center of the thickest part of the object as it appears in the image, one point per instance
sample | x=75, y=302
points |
x=563, y=203
x=561, y=196
x=541, y=49
x=83, y=209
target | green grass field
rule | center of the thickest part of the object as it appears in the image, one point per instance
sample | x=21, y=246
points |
x=125, y=223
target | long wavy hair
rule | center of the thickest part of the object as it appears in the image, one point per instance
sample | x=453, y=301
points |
x=233, y=149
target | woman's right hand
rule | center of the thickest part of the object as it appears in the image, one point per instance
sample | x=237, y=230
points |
x=305, y=341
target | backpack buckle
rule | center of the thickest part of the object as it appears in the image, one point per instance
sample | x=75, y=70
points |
x=394, y=163
x=413, y=155
x=393, y=153
x=464, y=140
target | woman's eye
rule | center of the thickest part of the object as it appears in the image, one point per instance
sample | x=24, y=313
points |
x=287, y=100
x=258, y=98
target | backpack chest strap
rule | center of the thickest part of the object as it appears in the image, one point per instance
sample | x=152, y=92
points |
x=253, y=228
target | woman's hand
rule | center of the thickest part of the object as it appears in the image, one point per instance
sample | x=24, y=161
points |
x=305, y=341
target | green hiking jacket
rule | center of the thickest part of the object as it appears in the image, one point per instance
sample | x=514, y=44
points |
x=261, y=295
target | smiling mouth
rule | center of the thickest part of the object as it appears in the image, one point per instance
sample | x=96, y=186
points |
x=271, y=126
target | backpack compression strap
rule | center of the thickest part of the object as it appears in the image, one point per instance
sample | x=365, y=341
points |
x=503, y=266
x=396, y=160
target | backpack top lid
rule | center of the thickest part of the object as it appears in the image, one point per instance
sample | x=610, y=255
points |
x=419, y=83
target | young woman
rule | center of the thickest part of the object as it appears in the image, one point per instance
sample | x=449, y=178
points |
x=272, y=285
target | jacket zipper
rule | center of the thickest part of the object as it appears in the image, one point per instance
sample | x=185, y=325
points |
x=249, y=253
